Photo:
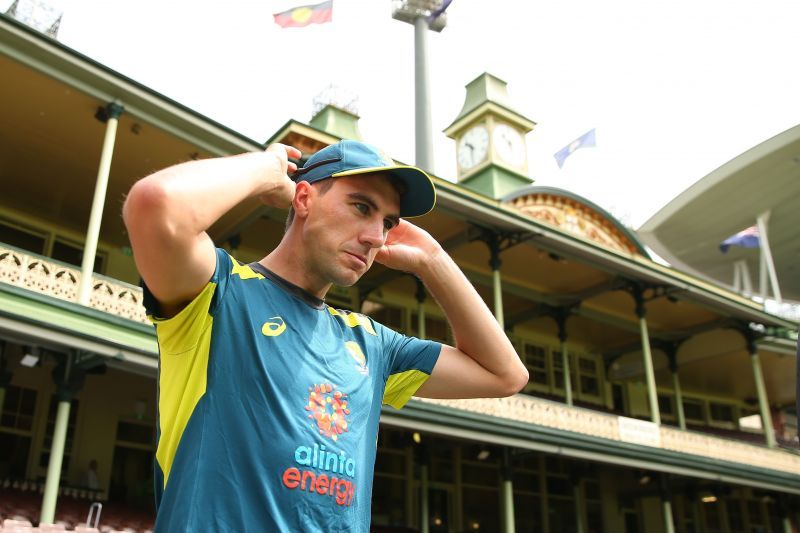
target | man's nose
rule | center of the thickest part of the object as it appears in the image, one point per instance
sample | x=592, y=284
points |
x=372, y=234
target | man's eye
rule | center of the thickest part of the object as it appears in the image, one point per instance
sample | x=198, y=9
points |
x=388, y=224
x=362, y=208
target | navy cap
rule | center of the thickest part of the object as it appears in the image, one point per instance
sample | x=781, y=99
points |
x=352, y=158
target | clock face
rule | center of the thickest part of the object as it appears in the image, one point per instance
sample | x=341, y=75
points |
x=509, y=145
x=473, y=147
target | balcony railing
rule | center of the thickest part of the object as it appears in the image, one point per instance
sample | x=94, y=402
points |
x=57, y=279
x=531, y=410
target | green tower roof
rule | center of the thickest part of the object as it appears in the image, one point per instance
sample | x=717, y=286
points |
x=487, y=91
x=337, y=121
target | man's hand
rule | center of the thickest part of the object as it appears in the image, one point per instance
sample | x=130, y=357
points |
x=483, y=363
x=408, y=248
x=167, y=215
x=279, y=188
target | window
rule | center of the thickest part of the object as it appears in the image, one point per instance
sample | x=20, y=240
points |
x=559, y=486
x=665, y=406
x=14, y=451
x=135, y=433
x=22, y=238
x=388, y=501
x=618, y=397
x=594, y=505
x=536, y=360
x=480, y=511
x=73, y=254
x=15, y=434
x=713, y=515
x=755, y=515
x=389, y=316
x=436, y=329
x=562, y=516
x=31, y=240
x=587, y=370
x=693, y=410
x=18, y=408
x=735, y=518
x=480, y=474
x=527, y=511
x=558, y=371
x=721, y=412
x=390, y=462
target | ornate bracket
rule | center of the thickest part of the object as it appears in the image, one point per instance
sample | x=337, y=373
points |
x=498, y=242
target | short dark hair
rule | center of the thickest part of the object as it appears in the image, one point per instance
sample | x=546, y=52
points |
x=325, y=185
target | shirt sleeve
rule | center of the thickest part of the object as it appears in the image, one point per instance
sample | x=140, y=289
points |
x=182, y=331
x=410, y=362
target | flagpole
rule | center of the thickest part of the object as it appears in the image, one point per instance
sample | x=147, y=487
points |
x=762, y=220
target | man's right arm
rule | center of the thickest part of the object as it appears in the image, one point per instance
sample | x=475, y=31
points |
x=167, y=215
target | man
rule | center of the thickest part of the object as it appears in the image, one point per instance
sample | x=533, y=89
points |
x=269, y=400
x=90, y=478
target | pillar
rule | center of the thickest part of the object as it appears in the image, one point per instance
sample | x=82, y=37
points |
x=652, y=395
x=112, y=113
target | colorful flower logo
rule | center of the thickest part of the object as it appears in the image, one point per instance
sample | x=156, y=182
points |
x=328, y=409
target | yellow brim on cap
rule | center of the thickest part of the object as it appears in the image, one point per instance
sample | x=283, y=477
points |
x=421, y=196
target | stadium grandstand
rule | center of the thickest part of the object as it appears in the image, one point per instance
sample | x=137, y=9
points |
x=658, y=400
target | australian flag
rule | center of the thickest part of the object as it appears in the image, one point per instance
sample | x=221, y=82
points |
x=747, y=238
x=584, y=141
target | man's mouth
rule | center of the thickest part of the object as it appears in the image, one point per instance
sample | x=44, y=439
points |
x=361, y=258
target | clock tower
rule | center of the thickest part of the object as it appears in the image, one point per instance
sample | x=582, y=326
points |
x=490, y=139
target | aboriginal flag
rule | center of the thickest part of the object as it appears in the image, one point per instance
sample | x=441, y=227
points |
x=304, y=15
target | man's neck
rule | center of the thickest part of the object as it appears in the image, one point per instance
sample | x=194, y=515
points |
x=291, y=266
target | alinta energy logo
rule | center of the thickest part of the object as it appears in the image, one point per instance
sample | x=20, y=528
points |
x=320, y=470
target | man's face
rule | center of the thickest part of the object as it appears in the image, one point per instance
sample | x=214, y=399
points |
x=347, y=225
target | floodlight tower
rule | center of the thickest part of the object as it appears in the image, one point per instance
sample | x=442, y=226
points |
x=424, y=15
x=40, y=15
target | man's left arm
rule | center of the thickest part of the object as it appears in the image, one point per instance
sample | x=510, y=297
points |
x=483, y=363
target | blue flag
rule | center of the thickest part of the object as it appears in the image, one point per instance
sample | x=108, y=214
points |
x=584, y=141
x=437, y=12
x=747, y=238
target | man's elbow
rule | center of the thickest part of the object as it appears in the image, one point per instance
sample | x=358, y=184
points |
x=150, y=211
x=515, y=382
x=146, y=197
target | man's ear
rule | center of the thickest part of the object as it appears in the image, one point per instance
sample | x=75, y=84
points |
x=303, y=196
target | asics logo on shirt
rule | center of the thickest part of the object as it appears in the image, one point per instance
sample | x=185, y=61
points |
x=273, y=327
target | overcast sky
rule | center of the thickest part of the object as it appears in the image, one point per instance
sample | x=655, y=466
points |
x=674, y=89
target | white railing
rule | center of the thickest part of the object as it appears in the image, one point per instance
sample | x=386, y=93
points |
x=532, y=410
x=61, y=281
x=789, y=310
